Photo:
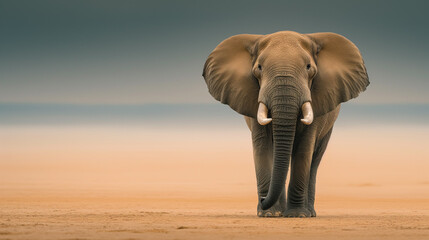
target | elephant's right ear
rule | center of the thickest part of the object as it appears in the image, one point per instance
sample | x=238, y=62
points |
x=228, y=74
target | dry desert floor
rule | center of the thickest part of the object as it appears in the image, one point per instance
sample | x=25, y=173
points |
x=122, y=183
x=129, y=215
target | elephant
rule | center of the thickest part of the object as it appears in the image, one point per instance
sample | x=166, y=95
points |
x=289, y=87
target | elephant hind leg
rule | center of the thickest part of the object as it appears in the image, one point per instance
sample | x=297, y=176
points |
x=317, y=157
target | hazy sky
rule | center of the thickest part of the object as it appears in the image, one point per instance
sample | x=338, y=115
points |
x=123, y=52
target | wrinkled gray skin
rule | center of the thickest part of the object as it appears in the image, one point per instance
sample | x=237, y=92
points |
x=283, y=71
x=309, y=145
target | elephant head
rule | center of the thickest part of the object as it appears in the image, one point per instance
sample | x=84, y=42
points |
x=276, y=78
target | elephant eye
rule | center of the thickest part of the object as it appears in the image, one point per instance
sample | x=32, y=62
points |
x=259, y=67
x=308, y=66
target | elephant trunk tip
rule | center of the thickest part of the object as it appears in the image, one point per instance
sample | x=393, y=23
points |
x=263, y=203
x=266, y=203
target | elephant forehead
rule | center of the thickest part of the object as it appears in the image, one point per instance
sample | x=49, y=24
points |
x=281, y=54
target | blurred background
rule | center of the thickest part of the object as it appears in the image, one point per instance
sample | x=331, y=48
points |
x=108, y=96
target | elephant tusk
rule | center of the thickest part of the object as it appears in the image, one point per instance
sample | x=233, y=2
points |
x=307, y=112
x=263, y=114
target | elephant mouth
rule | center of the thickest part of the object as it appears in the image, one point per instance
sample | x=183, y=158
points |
x=307, y=113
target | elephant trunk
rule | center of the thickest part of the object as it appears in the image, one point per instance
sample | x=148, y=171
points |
x=284, y=112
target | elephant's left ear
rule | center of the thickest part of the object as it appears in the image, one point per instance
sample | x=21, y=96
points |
x=341, y=73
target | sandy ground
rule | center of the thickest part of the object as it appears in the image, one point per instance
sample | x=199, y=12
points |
x=129, y=215
x=122, y=183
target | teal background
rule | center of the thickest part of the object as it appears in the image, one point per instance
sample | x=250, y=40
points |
x=127, y=61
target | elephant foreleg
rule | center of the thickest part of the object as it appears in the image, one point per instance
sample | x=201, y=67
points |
x=263, y=160
x=300, y=174
x=317, y=157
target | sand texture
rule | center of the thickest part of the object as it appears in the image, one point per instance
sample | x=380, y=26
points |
x=127, y=215
x=122, y=183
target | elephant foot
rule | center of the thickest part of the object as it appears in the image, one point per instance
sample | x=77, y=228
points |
x=297, y=213
x=274, y=211
x=312, y=211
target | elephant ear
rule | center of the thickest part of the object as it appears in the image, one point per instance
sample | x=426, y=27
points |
x=228, y=74
x=341, y=73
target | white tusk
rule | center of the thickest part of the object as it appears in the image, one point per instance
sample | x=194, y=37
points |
x=307, y=113
x=263, y=114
